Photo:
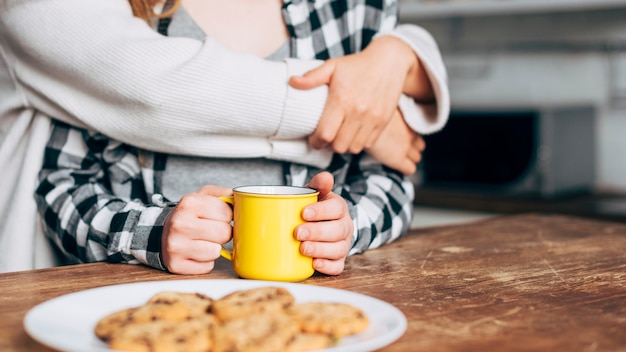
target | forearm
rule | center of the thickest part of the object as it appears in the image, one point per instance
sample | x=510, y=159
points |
x=418, y=51
x=425, y=103
x=416, y=83
x=90, y=63
x=115, y=232
x=80, y=212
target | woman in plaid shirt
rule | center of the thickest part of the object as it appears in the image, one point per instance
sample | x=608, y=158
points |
x=104, y=200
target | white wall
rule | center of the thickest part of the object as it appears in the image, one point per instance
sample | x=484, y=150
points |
x=538, y=59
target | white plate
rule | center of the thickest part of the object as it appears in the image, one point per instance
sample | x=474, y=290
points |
x=67, y=322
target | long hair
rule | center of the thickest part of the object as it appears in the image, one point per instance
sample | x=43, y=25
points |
x=144, y=9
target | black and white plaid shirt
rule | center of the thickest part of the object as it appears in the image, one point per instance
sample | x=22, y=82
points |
x=100, y=201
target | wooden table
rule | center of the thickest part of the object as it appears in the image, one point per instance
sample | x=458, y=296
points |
x=513, y=283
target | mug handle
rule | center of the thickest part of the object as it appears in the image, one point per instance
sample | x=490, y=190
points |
x=225, y=253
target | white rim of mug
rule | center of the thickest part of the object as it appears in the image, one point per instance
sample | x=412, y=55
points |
x=275, y=190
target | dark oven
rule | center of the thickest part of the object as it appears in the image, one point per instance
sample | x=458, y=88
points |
x=546, y=152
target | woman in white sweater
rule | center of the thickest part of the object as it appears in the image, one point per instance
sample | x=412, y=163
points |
x=91, y=64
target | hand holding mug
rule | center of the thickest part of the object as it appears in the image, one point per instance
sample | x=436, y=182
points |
x=327, y=233
x=195, y=230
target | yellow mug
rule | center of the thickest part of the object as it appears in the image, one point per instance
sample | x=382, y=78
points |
x=264, y=244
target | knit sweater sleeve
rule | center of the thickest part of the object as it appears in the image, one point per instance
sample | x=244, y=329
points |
x=92, y=64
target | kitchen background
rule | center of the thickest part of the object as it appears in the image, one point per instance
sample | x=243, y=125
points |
x=538, y=97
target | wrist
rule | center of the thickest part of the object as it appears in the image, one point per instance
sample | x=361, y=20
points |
x=416, y=82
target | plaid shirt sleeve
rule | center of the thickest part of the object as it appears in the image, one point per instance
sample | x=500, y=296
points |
x=81, y=172
x=380, y=200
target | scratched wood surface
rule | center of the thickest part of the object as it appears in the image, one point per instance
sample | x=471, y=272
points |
x=516, y=283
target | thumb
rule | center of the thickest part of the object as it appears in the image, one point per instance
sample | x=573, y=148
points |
x=314, y=78
x=323, y=183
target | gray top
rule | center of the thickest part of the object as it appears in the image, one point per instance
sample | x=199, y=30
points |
x=184, y=174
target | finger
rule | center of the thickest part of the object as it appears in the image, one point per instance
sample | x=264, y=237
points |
x=329, y=267
x=205, y=207
x=351, y=137
x=421, y=143
x=414, y=154
x=333, y=115
x=188, y=228
x=328, y=126
x=216, y=191
x=407, y=167
x=314, y=78
x=324, y=231
x=199, y=249
x=331, y=208
x=325, y=250
x=217, y=232
x=363, y=127
x=402, y=164
x=190, y=267
x=375, y=133
x=373, y=137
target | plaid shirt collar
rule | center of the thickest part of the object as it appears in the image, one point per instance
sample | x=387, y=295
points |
x=325, y=28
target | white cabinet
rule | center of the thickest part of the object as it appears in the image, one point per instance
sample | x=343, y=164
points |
x=414, y=9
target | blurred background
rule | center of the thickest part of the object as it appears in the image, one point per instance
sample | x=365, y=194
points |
x=538, y=109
